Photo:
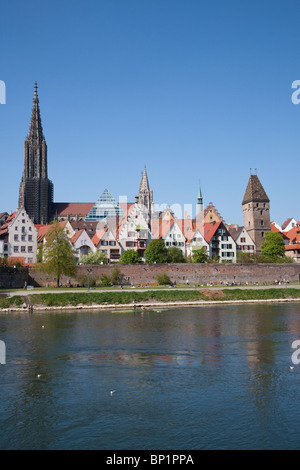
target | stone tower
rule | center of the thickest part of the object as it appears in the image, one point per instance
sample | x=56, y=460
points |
x=36, y=190
x=145, y=196
x=256, y=209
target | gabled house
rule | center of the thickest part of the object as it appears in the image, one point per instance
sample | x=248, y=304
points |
x=174, y=235
x=18, y=237
x=288, y=224
x=133, y=231
x=105, y=240
x=221, y=243
x=195, y=242
x=244, y=243
x=82, y=244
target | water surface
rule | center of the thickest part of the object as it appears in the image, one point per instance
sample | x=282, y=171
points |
x=186, y=378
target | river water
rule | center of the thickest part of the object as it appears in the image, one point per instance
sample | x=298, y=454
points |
x=184, y=379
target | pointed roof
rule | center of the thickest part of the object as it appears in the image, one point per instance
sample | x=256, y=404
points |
x=199, y=193
x=35, y=130
x=255, y=191
x=144, y=184
x=105, y=206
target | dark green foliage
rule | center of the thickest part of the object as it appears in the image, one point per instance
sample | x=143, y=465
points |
x=156, y=252
x=175, y=255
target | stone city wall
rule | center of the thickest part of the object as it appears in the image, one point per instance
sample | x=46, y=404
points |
x=194, y=273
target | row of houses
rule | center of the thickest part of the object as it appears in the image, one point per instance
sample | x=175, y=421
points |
x=20, y=238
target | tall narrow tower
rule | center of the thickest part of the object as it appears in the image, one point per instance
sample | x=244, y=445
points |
x=256, y=208
x=199, y=207
x=145, y=195
x=36, y=190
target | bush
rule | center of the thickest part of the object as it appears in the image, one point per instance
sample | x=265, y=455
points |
x=163, y=279
x=105, y=280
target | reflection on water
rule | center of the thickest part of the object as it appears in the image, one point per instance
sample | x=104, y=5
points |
x=191, y=378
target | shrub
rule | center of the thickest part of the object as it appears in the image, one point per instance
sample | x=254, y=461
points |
x=163, y=279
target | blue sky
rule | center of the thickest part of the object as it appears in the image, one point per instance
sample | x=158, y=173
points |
x=194, y=90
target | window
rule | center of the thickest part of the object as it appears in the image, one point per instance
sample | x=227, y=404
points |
x=243, y=240
x=16, y=227
x=23, y=249
x=30, y=238
x=30, y=249
x=30, y=260
x=23, y=229
x=112, y=243
x=29, y=228
x=16, y=238
x=23, y=221
x=261, y=222
x=16, y=249
x=262, y=234
x=224, y=238
x=23, y=238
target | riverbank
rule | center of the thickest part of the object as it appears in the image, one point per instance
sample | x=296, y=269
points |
x=148, y=298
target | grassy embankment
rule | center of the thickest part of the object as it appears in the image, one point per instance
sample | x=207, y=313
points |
x=122, y=298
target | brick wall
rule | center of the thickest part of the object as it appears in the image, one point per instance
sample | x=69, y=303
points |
x=199, y=273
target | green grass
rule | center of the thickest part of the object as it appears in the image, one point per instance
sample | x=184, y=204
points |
x=126, y=297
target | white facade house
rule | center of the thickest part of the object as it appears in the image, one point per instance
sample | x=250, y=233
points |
x=82, y=244
x=244, y=243
x=19, y=237
x=196, y=243
x=175, y=237
x=288, y=225
x=134, y=231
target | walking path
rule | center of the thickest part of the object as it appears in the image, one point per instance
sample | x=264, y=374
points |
x=11, y=293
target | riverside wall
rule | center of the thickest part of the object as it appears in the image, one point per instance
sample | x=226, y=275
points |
x=179, y=273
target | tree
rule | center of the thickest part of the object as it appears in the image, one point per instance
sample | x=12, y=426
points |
x=94, y=258
x=58, y=255
x=156, y=252
x=175, y=255
x=200, y=255
x=130, y=257
x=273, y=246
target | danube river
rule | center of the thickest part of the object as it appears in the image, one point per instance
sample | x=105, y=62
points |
x=182, y=379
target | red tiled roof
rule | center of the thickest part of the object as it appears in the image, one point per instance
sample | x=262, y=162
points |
x=210, y=230
x=76, y=236
x=294, y=246
x=64, y=209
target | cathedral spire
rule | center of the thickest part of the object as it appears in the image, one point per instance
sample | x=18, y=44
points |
x=36, y=190
x=35, y=130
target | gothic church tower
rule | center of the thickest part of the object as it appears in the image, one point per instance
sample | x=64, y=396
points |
x=256, y=208
x=145, y=196
x=36, y=190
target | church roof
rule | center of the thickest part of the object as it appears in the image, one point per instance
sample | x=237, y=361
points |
x=255, y=191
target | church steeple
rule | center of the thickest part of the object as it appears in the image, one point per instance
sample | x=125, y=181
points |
x=199, y=201
x=35, y=130
x=145, y=195
x=36, y=190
